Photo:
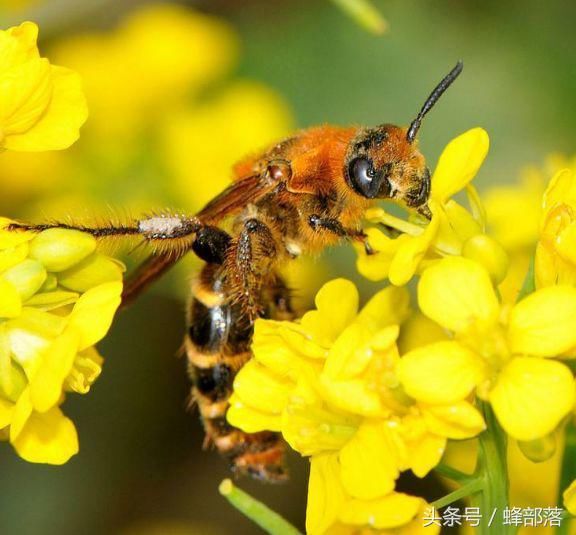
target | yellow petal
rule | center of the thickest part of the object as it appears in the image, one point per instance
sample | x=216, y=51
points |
x=6, y=408
x=569, y=497
x=543, y=323
x=25, y=93
x=93, y=313
x=388, y=512
x=456, y=293
x=52, y=300
x=57, y=360
x=18, y=45
x=566, y=245
x=376, y=266
x=337, y=305
x=59, y=125
x=262, y=389
x=561, y=189
x=49, y=438
x=251, y=420
x=458, y=421
x=411, y=252
x=459, y=163
x=440, y=373
x=419, y=331
x=352, y=395
x=489, y=254
x=531, y=396
x=390, y=306
x=350, y=353
x=368, y=467
x=271, y=347
x=21, y=414
x=326, y=495
x=10, y=302
x=85, y=370
x=425, y=453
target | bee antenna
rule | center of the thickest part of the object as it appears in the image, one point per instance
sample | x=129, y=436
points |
x=432, y=99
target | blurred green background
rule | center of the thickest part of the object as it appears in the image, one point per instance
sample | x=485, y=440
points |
x=141, y=468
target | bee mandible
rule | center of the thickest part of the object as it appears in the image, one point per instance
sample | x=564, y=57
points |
x=304, y=193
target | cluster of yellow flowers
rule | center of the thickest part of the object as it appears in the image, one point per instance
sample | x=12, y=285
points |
x=368, y=395
x=57, y=294
x=57, y=299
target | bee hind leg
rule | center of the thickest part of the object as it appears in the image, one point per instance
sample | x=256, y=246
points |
x=248, y=263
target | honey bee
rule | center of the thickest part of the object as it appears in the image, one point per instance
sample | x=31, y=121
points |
x=299, y=196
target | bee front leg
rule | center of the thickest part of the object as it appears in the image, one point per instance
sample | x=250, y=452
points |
x=329, y=224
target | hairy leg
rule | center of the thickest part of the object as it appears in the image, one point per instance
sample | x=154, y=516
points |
x=332, y=225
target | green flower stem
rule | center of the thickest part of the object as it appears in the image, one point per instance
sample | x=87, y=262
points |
x=492, y=470
x=567, y=474
x=454, y=474
x=364, y=13
x=529, y=284
x=464, y=491
x=256, y=511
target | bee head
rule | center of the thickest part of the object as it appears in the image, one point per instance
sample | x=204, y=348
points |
x=381, y=164
x=385, y=163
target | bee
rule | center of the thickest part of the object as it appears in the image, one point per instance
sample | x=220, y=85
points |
x=301, y=195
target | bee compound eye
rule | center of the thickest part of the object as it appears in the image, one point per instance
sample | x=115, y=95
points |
x=363, y=177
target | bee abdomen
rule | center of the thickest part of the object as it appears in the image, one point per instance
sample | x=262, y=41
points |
x=217, y=346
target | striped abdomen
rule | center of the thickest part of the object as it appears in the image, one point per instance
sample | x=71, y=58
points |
x=217, y=346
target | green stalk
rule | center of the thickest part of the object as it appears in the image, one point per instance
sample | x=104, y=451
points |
x=492, y=470
x=464, y=491
x=270, y=521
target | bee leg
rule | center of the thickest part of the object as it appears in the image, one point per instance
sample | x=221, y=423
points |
x=248, y=263
x=151, y=228
x=211, y=244
x=334, y=226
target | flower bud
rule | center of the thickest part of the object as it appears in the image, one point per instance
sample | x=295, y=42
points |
x=540, y=449
x=94, y=270
x=60, y=249
x=27, y=277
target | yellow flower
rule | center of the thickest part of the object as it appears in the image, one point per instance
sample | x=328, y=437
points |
x=57, y=299
x=42, y=105
x=507, y=204
x=522, y=201
x=502, y=352
x=555, y=261
x=330, y=384
x=158, y=56
x=332, y=511
x=451, y=231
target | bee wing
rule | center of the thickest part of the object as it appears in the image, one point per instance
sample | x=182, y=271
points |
x=235, y=197
x=151, y=269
